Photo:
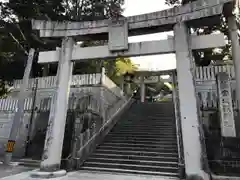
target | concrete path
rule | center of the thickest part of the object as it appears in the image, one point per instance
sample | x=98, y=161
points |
x=12, y=170
x=84, y=175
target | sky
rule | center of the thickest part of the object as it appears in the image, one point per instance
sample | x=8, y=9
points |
x=157, y=62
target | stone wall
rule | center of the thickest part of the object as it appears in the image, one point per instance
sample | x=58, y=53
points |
x=105, y=94
x=5, y=127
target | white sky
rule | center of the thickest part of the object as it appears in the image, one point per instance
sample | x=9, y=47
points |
x=160, y=62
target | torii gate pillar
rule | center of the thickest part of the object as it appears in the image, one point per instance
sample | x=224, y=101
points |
x=188, y=104
x=51, y=160
x=232, y=26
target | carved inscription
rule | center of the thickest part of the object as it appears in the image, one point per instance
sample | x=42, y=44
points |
x=225, y=105
x=118, y=35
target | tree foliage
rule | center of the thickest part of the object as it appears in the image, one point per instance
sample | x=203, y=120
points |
x=17, y=36
x=87, y=10
x=122, y=66
x=205, y=57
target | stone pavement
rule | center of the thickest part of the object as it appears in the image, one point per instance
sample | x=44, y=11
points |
x=12, y=170
x=84, y=175
x=17, y=166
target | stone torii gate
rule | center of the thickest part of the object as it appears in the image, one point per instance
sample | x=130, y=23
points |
x=178, y=19
x=153, y=77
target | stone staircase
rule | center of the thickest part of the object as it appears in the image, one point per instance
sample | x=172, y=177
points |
x=144, y=141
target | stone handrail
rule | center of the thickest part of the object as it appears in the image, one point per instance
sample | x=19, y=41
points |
x=206, y=88
x=99, y=100
x=100, y=117
x=208, y=73
x=10, y=104
x=50, y=81
x=106, y=81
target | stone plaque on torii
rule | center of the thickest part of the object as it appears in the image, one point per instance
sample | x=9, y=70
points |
x=118, y=35
x=197, y=13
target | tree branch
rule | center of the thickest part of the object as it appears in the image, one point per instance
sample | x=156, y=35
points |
x=15, y=39
x=19, y=28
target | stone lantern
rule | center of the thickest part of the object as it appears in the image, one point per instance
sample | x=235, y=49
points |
x=128, y=78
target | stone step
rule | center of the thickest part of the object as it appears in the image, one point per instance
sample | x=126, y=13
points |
x=149, y=145
x=136, y=152
x=135, y=157
x=139, y=134
x=159, y=108
x=133, y=161
x=144, y=131
x=129, y=148
x=141, y=137
x=146, y=125
x=152, y=141
x=156, y=119
x=137, y=127
x=132, y=167
x=150, y=115
x=146, y=122
x=129, y=171
x=153, y=117
x=144, y=141
x=143, y=128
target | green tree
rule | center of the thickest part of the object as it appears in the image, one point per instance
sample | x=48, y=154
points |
x=121, y=67
x=205, y=57
x=17, y=36
x=87, y=10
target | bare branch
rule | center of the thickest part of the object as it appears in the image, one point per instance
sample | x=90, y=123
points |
x=18, y=43
x=19, y=28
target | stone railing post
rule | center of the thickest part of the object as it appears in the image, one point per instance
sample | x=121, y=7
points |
x=142, y=88
x=128, y=86
x=102, y=110
x=122, y=85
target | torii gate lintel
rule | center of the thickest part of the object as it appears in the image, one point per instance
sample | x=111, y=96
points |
x=141, y=24
x=136, y=49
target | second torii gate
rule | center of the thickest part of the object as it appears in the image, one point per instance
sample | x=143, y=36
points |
x=153, y=77
x=182, y=44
